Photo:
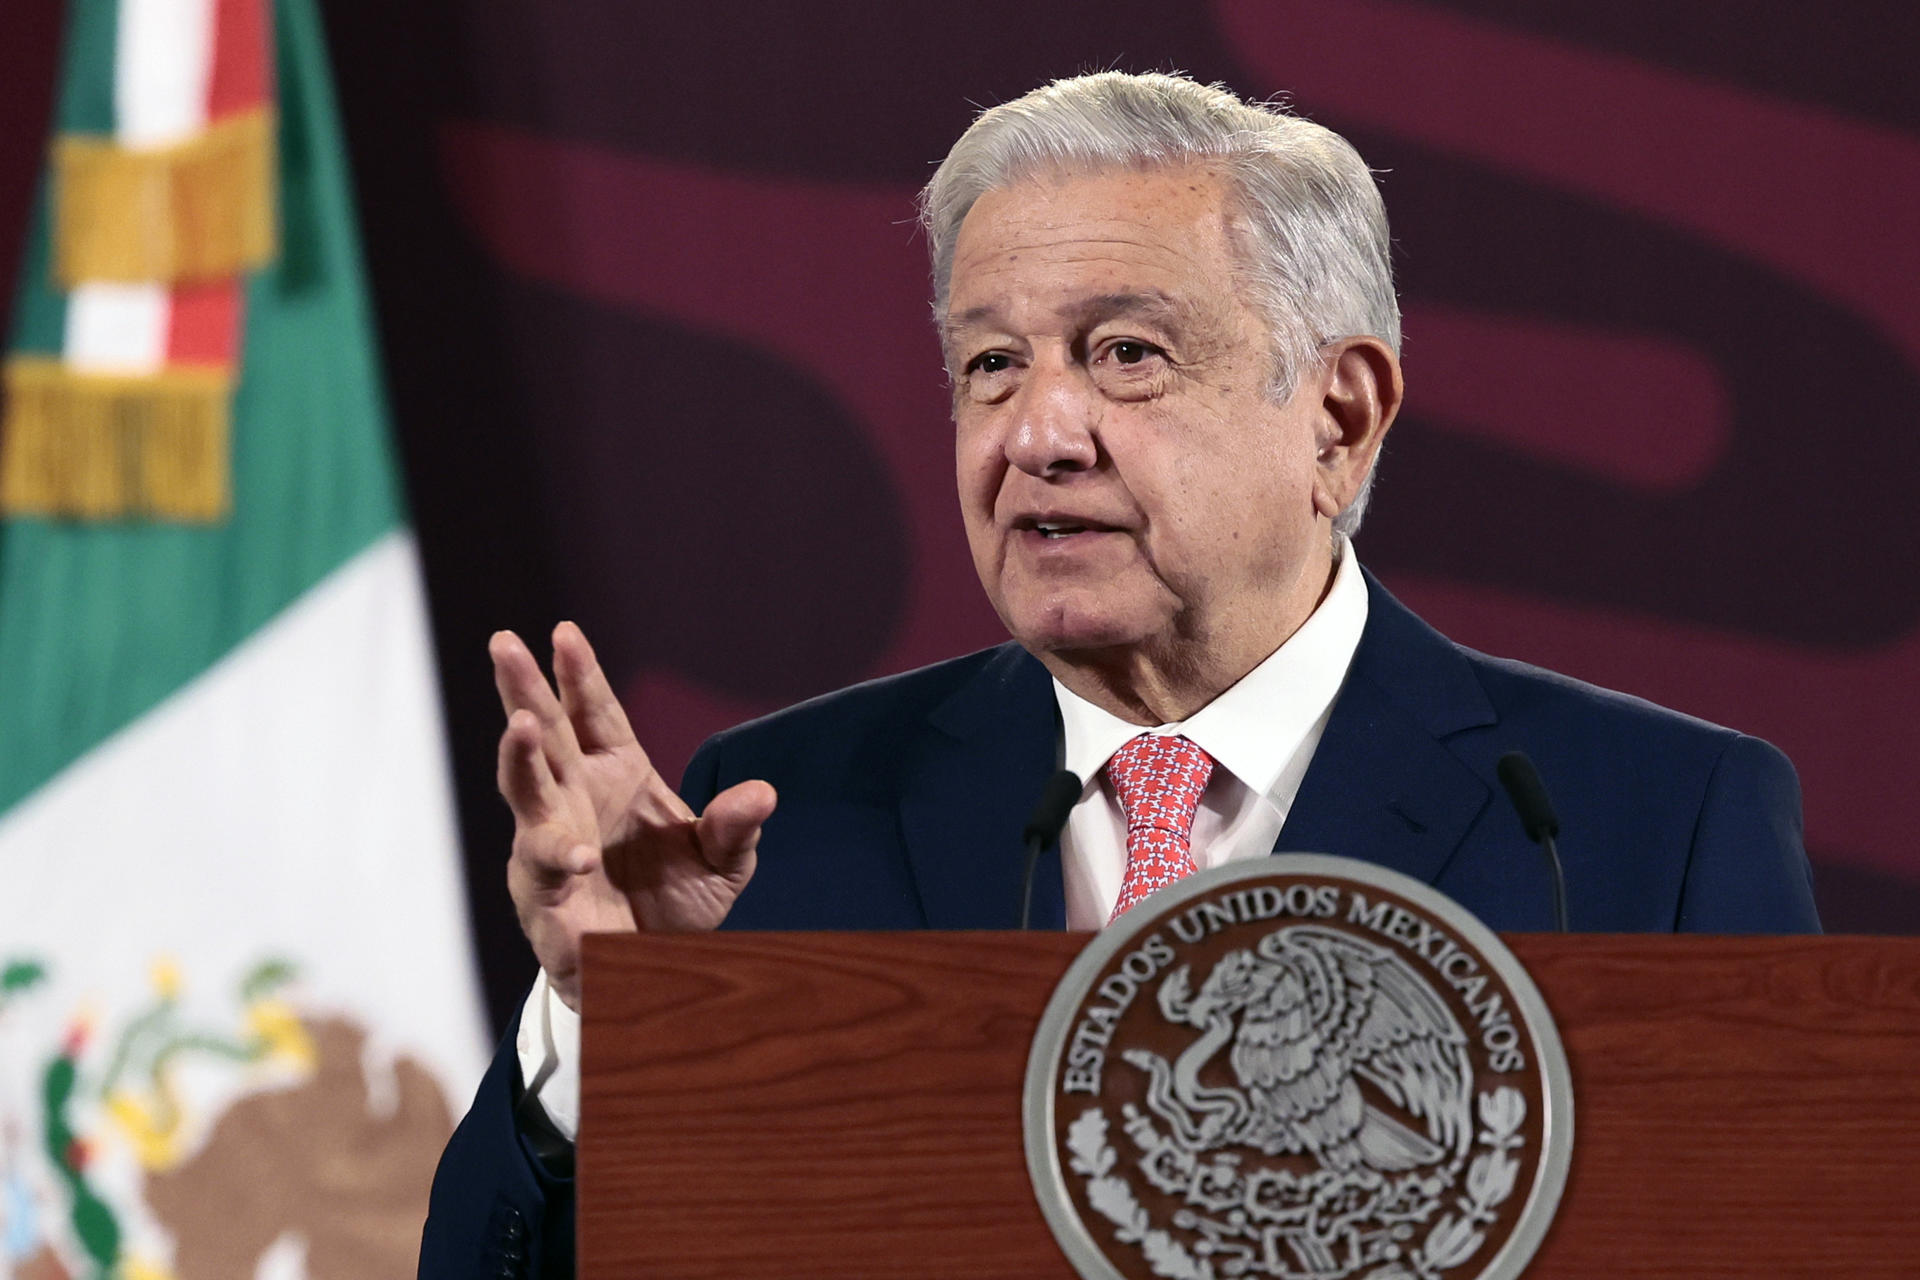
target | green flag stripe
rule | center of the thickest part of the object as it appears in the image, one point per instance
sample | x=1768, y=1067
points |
x=99, y=622
x=85, y=104
x=40, y=312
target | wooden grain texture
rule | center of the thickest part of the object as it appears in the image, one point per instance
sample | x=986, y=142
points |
x=1743, y=1106
x=848, y=1105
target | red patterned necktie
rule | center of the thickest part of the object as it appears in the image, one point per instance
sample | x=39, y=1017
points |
x=1159, y=780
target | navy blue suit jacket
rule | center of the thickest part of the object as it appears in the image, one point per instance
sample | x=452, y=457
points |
x=902, y=802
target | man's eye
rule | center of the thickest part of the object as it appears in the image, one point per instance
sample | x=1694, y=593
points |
x=1129, y=351
x=989, y=362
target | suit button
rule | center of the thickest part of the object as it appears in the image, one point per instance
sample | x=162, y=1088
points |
x=509, y=1233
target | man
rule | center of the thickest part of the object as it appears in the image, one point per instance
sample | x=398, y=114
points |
x=1170, y=326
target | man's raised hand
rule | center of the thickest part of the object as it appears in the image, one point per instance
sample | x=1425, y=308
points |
x=601, y=843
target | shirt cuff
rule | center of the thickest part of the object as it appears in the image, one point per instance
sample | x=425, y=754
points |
x=549, y=1050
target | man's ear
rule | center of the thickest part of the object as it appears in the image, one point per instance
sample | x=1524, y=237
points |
x=1362, y=394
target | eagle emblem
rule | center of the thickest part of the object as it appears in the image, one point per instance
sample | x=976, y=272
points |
x=1298, y=1068
x=1306, y=1018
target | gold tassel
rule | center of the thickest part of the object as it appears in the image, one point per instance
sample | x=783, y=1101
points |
x=197, y=210
x=98, y=447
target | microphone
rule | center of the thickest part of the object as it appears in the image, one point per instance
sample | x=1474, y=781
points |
x=1057, y=799
x=1529, y=797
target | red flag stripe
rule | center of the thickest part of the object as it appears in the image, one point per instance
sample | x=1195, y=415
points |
x=205, y=324
x=242, y=72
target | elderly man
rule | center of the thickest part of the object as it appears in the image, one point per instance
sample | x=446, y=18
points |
x=1170, y=325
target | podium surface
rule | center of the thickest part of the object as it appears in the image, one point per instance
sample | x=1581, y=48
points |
x=848, y=1105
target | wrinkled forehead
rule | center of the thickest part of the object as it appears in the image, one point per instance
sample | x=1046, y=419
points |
x=1151, y=243
x=1094, y=307
x=1183, y=210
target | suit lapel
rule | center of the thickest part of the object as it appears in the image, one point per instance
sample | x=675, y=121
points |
x=1382, y=785
x=975, y=775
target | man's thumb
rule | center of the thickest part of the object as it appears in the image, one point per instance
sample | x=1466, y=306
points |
x=729, y=830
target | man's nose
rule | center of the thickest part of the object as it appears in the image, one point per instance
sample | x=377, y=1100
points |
x=1055, y=412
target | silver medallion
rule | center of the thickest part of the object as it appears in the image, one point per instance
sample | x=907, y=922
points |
x=1299, y=1068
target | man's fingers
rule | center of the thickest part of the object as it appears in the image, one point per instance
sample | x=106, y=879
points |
x=549, y=856
x=513, y=669
x=523, y=687
x=599, y=721
x=525, y=779
x=729, y=831
x=549, y=847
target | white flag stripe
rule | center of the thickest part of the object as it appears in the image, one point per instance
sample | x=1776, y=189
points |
x=118, y=328
x=163, y=58
x=292, y=801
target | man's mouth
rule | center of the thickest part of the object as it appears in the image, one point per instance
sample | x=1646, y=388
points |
x=1057, y=529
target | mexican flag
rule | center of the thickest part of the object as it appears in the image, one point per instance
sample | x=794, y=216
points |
x=238, y=1010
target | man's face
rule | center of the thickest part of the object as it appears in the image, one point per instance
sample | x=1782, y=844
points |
x=1130, y=488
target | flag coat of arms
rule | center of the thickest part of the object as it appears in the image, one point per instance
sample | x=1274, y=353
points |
x=237, y=999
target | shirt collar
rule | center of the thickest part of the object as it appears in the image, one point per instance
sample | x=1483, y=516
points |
x=1254, y=728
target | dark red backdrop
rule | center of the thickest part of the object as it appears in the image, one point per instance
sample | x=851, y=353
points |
x=655, y=322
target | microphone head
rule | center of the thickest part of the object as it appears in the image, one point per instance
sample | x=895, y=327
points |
x=1057, y=799
x=1529, y=796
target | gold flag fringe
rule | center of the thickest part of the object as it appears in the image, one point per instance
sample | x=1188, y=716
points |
x=198, y=210
x=98, y=447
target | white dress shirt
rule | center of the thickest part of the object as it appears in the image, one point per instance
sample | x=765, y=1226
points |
x=1261, y=733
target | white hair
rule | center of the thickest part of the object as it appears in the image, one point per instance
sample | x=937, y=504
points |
x=1310, y=226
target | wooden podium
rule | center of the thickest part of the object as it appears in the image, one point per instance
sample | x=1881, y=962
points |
x=802, y=1105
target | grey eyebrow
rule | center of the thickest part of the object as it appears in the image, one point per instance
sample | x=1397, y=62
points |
x=1149, y=304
